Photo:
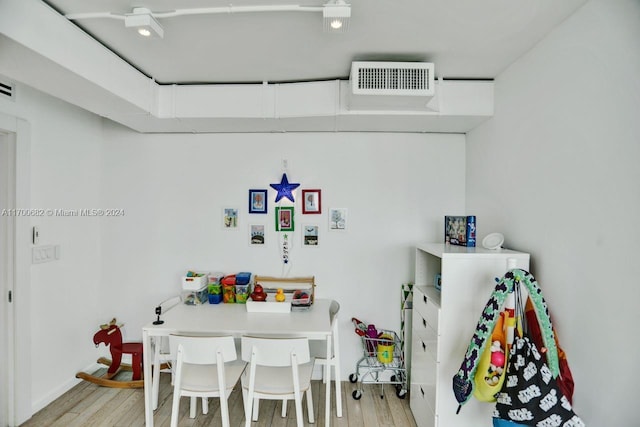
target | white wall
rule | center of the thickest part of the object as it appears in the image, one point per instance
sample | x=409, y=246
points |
x=65, y=173
x=556, y=170
x=396, y=187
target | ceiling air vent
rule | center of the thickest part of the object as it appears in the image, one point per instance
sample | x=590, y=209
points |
x=392, y=78
x=392, y=86
x=6, y=90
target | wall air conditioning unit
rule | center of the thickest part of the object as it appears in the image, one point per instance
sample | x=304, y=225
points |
x=391, y=86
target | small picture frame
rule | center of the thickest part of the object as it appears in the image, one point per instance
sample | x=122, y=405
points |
x=437, y=281
x=257, y=201
x=257, y=235
x=311, y=201
x=310, y=235
x=230, y=218
x=338, y=219
x=284, y=218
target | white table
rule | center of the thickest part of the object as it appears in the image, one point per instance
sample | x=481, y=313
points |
x=233, y=319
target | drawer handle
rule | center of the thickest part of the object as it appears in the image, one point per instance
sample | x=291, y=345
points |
x=424, y=346
x=422, y=391
x=424, y=322
x=424, y=297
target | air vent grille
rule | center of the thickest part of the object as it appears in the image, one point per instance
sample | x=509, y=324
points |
x=6, y=90
x=392, y=78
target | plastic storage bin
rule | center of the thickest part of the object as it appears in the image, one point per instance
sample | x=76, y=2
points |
x=242, y=293
x=197, y=297
x=215, y=293
x=195, y=283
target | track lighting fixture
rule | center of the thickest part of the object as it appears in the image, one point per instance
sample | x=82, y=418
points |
x=142, y=19
x=335, y=15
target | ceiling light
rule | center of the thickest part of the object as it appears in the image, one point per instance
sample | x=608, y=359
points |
x=336, y=16
x=142, y=19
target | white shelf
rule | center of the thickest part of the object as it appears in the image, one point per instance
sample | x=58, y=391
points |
x=467, y=278
x=443, y=250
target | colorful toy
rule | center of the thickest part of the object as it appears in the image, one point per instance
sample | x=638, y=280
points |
x=497, y=354
x=111, y=336
x=361, y=327
x=280, y=295
x=489, y=377
x=258, y=293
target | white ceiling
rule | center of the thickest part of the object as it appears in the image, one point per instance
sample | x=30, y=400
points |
x=270, y=71
x=464, y=38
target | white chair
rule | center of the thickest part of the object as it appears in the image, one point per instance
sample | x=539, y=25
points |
x=318, y=351
x=161, y=352
x=205, y=367
x=279, y=369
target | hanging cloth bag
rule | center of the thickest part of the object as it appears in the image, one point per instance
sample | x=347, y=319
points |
x=530, y=394
x=565, y=379
x=463, y=380
x=492, y=370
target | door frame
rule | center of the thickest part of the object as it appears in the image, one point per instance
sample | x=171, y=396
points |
x=18, y=333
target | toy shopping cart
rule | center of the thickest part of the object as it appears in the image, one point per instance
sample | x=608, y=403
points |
x=382, y=361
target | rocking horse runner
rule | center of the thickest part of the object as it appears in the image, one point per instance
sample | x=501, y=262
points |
x=110, y=335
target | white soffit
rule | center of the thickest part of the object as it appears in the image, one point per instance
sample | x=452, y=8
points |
x=63, y=61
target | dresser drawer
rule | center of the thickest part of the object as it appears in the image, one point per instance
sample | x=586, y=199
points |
x=422, y=346
x=421, y=400
x=427, y=308
x=424, y=370
x=423, y=326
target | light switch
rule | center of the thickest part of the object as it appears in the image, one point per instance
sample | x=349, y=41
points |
x=45, y=253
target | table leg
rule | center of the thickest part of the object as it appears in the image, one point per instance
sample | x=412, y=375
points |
x=327, y=375
x=148, y=395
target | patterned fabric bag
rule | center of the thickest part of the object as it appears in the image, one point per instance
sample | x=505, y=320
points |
x=530, y=394
x=565, y=379
x=463, y=380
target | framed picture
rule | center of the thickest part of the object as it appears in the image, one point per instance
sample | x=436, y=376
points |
x=258, y=201
x=284, y=218
x=311, y=201
x=230, y=218
x=310, y=235
x=256, y=235
x=337, y=219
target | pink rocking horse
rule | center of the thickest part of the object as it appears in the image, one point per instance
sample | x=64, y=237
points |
x=110, y=335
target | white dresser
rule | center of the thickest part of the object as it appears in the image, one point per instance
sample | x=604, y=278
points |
x=443, y=324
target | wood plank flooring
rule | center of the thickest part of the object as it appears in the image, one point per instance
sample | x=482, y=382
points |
x=90, y=405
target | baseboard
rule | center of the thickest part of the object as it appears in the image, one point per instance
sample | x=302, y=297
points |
x=62, y=389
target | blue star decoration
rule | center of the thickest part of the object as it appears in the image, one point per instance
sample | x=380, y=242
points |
x=285, y=188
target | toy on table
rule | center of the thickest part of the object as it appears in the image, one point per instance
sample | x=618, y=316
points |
x=215, y=293
x=228, y=289
x=194, y=274
x=280, y=295
x=301, y=298
x=258, y=293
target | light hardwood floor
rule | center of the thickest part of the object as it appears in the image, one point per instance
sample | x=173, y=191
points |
x=90, y=405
